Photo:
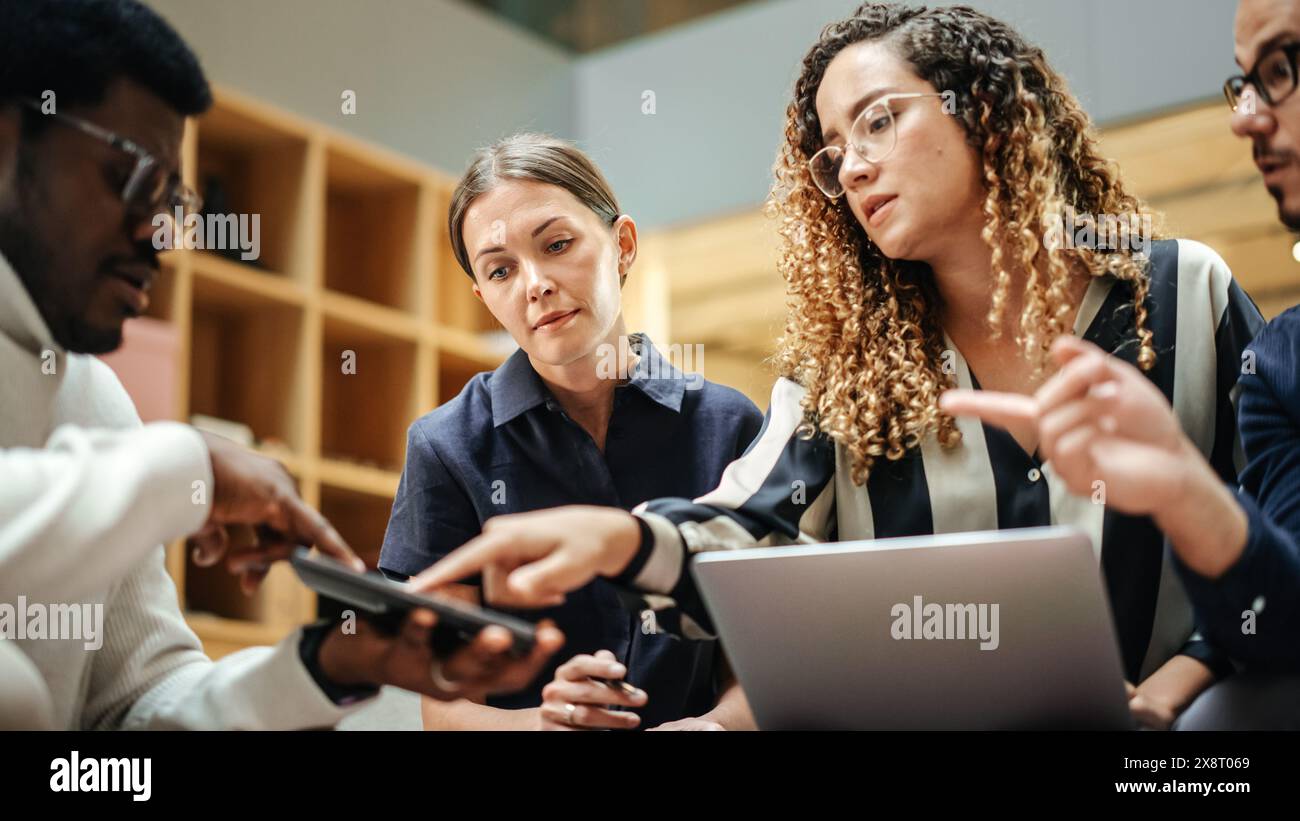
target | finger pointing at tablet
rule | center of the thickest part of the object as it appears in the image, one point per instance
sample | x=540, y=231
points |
x=533, y=559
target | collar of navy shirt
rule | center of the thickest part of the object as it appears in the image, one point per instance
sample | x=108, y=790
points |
x=517, y=388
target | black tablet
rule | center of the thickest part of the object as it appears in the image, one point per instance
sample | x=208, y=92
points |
x=387, y=602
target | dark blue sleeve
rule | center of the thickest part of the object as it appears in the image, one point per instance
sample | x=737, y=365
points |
x=1240, y=323
x=1266, y=578
x=432, y=515
x=751, y=424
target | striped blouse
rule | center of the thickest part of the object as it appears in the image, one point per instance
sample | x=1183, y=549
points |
x=787, y=489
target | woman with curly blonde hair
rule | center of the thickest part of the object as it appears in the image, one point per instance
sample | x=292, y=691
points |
x=945, y=217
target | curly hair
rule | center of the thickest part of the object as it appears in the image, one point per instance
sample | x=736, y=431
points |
x=862, y=334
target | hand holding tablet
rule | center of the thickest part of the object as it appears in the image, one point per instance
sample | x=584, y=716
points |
x=435, y=645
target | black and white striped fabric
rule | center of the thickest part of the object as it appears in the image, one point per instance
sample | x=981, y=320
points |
x=787, y=489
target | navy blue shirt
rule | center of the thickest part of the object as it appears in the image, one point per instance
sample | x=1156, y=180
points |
x=504, y=445
x=1266, y=578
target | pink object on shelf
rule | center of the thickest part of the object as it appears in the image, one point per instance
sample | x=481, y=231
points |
x=148, y=363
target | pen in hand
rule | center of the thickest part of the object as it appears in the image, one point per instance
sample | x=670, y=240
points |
x=615, y=684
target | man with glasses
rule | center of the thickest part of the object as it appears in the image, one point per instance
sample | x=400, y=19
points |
x=151, y=188
x=1262, y=99
x=1237, y=552
x=1258, y=585
x=93, y=100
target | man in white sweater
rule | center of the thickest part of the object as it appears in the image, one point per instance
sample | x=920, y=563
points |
x=93, y=96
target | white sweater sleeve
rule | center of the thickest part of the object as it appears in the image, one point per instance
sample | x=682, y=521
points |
x=152, y=674
x=93, y=503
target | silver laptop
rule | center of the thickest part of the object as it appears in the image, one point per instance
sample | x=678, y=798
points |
x=968, y=631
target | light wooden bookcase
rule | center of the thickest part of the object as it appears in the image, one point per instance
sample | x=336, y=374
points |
x=354, y=257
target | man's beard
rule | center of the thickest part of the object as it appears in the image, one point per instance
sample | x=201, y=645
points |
x=1291, y=219
x=29, y=258
x=78, y=337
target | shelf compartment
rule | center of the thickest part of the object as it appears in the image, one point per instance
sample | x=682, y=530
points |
x=148, y=365
x=249, y=165
x=457, y=306
x=361, y=518
x=214, y=592
x=369, y=394
x=379, y=321
x=474, y=348
x=291, y=461
x=359, y=478
x=164, y=294
x=372, y=224
x=460, y=356
x=247, y=361
x=149, y=361
x=228, y=282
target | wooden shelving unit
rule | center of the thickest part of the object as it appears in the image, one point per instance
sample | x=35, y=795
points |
x=354, y=265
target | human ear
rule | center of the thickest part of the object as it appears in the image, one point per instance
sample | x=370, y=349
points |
x=625, y=236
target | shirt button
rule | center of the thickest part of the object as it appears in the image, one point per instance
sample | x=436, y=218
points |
x=1035, y=474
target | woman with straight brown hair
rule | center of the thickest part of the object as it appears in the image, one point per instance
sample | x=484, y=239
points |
x=582, y=413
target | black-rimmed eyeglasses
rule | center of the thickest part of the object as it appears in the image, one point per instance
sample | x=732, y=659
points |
x=1273, y=77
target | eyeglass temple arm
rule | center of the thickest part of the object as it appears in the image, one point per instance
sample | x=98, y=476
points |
x=93, y=130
